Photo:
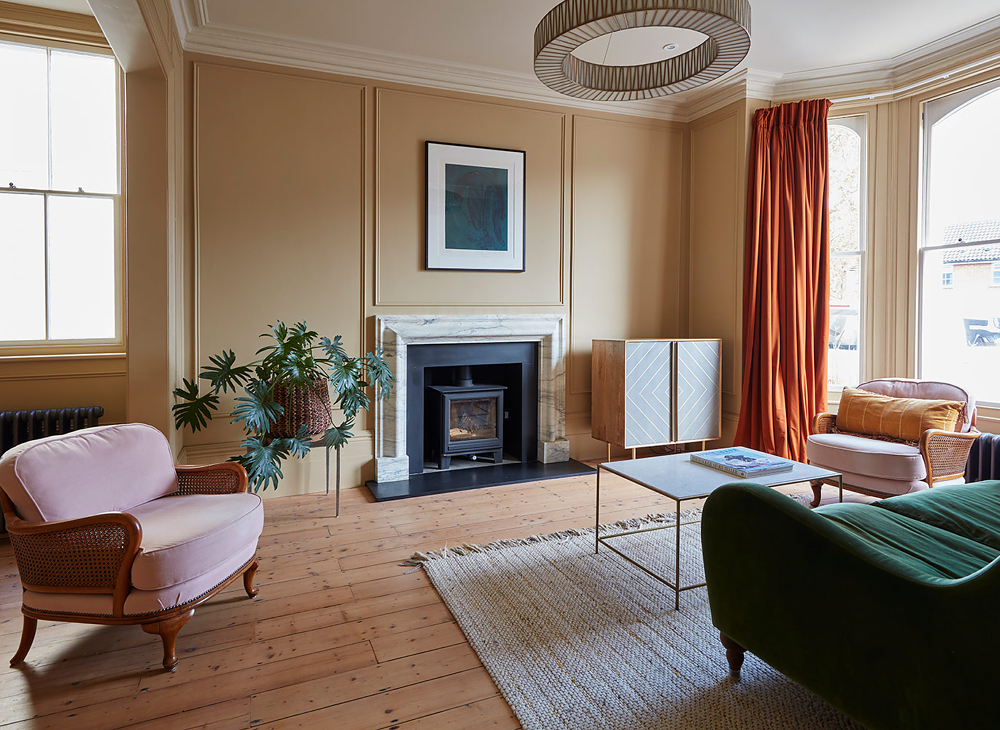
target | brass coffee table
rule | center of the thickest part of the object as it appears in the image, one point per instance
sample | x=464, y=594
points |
x=680, y=479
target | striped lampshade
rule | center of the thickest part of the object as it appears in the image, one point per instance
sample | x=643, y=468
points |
x=569, y=25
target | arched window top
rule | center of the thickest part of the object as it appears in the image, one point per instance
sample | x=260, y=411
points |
x=962, y=172
x=969, y=110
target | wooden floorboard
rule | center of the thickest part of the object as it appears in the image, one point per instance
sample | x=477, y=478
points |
x=341, y=635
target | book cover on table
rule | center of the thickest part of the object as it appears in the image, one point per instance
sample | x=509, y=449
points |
x=742, y=462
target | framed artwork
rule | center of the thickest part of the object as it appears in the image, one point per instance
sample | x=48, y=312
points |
x=475, y=208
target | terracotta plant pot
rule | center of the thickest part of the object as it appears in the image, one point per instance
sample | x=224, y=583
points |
x=308, y=405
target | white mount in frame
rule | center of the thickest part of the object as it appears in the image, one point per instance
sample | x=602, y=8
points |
x=475, y=208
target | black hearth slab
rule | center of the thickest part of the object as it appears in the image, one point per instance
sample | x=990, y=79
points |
x=457, y=480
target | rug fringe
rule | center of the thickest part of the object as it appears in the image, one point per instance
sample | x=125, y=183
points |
x=633, y=523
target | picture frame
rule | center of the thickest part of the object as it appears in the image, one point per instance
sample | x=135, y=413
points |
x=475, y=200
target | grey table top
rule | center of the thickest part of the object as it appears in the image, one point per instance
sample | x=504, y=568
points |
x=677, y=477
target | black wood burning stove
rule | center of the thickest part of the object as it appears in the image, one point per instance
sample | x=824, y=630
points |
x=470, y=419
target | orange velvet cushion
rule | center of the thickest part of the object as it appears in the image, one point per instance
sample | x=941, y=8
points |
x=901, y=418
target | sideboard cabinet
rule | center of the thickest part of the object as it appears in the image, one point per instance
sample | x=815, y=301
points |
x=656, y=392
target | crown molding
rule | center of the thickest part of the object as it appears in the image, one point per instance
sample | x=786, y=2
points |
x=965, y=52
x=347, y=60
x=743, y=84
x=46, y=24
x=959, y=54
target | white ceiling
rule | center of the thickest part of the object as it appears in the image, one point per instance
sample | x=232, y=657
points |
x=70, y=6
x=788, y=35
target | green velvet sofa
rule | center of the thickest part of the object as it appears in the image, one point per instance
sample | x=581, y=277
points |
x=890, y=611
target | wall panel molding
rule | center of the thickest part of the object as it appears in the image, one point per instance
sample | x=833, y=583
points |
x=198, y=68
x=380, y=297
x=730, y=116
x=638, y=250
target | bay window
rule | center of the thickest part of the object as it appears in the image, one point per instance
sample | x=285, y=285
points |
x=959, y=330
x=848, y=197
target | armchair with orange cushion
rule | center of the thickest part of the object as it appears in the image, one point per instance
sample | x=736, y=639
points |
x=894, y=436
x=106, y=530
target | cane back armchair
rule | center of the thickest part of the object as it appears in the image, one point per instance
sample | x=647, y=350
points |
x=886, y=467
x=106, y=530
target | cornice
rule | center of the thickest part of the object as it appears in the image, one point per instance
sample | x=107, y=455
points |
x=367, y=63
x=971, y=50
x=967, y=50
x=56, y=25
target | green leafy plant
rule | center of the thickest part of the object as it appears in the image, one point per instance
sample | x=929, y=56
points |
x=294, y=358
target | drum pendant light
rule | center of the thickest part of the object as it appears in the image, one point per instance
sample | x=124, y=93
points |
x=725, y=23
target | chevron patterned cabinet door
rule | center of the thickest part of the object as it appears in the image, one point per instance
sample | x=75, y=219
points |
x=648, y=393
x=699, y=393
x=656, y=392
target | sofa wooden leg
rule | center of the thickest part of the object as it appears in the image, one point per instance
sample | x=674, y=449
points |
x=734, y=654
x=168, y=630
x=248, y=576
x=817, y=488
x=27, y=636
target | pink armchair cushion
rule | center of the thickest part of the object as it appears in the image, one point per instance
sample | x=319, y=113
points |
x=184, y=537
x=878, y=459
x=100, y=469
x=928, y=390
x=883, y=487
x=144, y=603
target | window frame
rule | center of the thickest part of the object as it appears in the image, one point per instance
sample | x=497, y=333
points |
x=90, y=346
x=930, y=114
x=949, y=272
x=858, y=123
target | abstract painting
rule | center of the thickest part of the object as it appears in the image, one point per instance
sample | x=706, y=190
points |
x=475, y=208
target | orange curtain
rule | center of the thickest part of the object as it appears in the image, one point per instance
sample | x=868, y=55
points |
x=786, y=292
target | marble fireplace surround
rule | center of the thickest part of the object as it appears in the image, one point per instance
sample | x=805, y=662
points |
x=394, y=333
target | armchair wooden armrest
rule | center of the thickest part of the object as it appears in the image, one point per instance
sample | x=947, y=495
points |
x=227, y=477
x=91, y=554
x=824, y=423
x=945, y=453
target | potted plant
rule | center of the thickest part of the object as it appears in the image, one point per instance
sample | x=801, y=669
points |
x=285, y=408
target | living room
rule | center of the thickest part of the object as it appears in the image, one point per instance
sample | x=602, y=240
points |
x=806, y=191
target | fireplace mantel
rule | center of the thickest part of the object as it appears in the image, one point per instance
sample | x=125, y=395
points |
x=394, y=333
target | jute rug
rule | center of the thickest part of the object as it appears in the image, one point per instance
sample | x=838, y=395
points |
x=581, y=641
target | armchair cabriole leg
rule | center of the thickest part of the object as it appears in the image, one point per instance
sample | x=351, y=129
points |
x=27, y=636
x=817, y=488
x=167, y=631
x=734, y=654
x=248, y=576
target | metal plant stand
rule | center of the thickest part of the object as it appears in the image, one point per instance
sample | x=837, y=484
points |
x=327, y=448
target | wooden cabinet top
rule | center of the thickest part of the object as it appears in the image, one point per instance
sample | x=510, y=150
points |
x=661, y=339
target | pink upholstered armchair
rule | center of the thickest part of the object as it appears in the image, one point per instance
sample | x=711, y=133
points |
x=884, y=467
x=106, y=530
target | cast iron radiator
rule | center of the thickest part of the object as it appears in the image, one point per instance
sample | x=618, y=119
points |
x=984, y=459
x=19, y=426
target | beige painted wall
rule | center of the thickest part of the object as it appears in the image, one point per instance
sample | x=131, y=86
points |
x=328, y=172
x=635, y=228
x=147, y=250
x=720, y=144
x=27, y=383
